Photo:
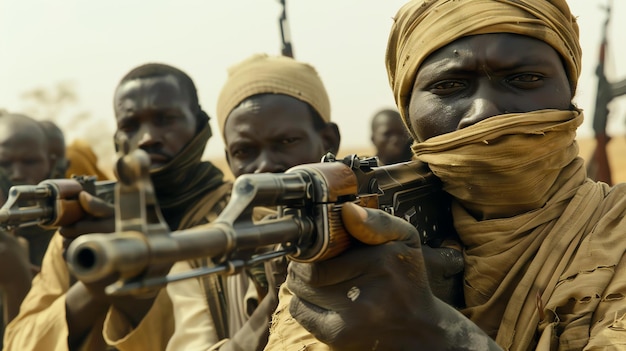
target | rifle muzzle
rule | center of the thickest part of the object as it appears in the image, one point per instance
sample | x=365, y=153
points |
x=94, y=257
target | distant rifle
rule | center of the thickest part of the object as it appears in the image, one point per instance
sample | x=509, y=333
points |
x=598, y=167
x=51, y=203
x=308, y=224
x=285, y=34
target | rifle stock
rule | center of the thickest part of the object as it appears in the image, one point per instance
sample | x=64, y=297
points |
x=51, y=203
x=308, y=223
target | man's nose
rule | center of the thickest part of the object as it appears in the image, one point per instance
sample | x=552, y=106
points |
x=398, y=139
x=147, y=136
x=268, y=163
x=480, y=109
x=16, y=173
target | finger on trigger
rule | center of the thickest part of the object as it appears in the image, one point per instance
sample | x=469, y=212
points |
x=95, y=206
x=375, y=227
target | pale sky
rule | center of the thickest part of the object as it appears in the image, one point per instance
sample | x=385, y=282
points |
x=92, y=44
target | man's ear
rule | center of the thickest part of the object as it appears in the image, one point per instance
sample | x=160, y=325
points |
x=331, y=137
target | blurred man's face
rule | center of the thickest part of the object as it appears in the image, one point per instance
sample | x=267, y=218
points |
x=24, y=156
x=392, y=141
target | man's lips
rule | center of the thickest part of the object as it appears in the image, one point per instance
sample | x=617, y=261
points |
x=158, y=159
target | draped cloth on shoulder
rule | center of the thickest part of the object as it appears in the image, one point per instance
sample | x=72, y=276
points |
x=421, y=27
x=534, y=229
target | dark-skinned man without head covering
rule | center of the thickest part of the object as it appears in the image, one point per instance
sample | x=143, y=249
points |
x=24, y=160
x=56, y=149
x=274, y=114
x=157, y=110
x=485, y=88
x=390, y=138
x=24, y=152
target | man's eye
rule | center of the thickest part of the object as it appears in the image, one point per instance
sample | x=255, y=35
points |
x=239, y=153
x=526, y=80
x=446, y=87
x=166, y=119
x=287, y=141
x=127, y=127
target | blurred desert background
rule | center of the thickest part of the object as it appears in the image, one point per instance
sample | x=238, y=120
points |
x=616, y=151
x=65, y=67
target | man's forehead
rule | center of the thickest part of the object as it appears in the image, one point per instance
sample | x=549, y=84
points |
x=22, y=146
x=163, y=89
x=268, y=107
x=15, y=131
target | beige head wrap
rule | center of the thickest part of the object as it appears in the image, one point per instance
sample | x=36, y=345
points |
x=263, y=74
x=423, y=26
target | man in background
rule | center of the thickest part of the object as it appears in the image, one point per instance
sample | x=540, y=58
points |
x=56, y=149
x=25, y=151
x=390, y=138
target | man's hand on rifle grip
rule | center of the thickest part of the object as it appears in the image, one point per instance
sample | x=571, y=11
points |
x=359, y=299
x=100, y=218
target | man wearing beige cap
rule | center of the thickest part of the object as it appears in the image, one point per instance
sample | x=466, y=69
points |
x=274, y=113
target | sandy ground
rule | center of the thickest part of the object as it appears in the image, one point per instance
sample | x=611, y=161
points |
x=616, y=150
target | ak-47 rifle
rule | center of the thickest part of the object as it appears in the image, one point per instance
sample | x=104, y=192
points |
x=598, y=167
x=51, y=203
x=308, y=224
x=285, y=34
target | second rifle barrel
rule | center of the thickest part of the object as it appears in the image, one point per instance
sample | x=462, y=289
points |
x=24, y=215
x=92, y=257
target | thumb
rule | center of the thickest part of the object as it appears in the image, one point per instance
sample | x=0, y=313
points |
x=95, y=206
x=375, y=227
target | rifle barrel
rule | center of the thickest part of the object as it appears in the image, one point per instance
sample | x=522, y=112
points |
x=24, y=216
x=92, y=257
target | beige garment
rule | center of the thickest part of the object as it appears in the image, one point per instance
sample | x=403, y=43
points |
x=41, y=324
x=506, y=164
x=264, y=74
x=421, y=27
x=547, y=230
x=286, y=334
x=83, y=161
x=195, y=328
x=152, y=333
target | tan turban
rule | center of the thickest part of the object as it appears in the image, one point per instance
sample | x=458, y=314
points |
x=423, y=26
x=263, y=74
